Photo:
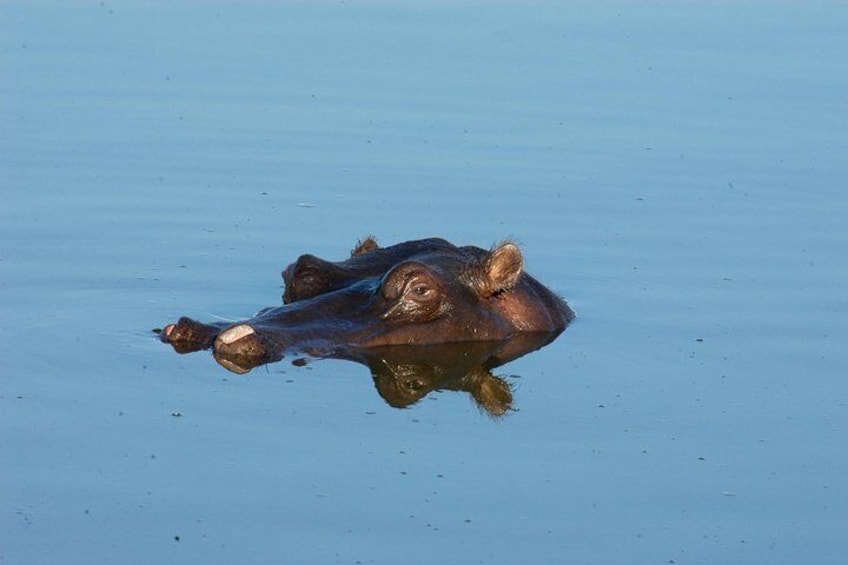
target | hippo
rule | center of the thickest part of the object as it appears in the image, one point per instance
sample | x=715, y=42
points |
x=417, y=293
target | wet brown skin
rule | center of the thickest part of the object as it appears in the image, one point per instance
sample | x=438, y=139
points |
x=421, y=292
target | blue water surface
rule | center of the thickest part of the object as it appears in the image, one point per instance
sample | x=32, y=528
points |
x=676, y=171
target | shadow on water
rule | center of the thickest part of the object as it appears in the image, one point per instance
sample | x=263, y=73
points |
x=403, y=375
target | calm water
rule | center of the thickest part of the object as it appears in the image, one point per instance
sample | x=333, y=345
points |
x=677, y=172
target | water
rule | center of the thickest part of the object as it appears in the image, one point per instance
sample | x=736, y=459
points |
x=676, y=172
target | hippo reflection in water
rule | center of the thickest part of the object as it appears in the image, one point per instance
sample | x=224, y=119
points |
x=418, y=293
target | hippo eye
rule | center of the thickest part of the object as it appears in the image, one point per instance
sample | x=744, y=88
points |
x=413, y=291
x=422, y=290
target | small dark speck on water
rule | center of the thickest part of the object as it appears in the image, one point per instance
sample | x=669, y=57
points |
x=700, y=340
x=176, y=538
x=300, y=362
x=177, y=414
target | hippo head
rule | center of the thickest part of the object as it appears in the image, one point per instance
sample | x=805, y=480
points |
x=421, y=292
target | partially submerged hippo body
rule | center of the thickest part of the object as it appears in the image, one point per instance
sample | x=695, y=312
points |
x=417, y=293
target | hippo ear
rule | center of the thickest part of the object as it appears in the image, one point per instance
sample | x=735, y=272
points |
x=502, y=268
x=366, y=245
